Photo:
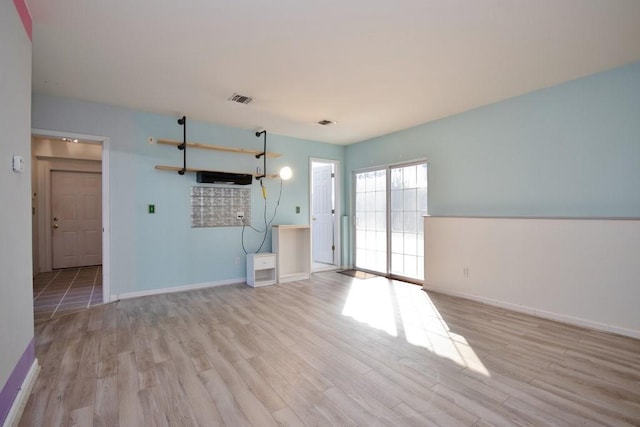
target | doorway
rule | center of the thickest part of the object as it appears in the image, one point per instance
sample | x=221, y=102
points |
x=390, y=203
x=324, y=201
x=70, y=207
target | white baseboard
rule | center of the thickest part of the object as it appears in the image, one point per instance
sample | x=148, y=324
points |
x=183, y=288
x=15, y=413
x=539, y=313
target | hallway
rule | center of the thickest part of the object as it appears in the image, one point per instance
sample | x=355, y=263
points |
x=66, y=291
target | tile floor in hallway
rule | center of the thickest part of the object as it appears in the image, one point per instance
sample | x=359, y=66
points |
x=65, y=291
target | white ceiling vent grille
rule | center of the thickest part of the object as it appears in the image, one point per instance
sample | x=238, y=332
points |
x=241, y=99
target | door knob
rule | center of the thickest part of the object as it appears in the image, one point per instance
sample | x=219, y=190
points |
x=55, y=226
x=313, y=218
x=55, y=218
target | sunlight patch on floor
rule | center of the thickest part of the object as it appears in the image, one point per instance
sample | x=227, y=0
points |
x=406, y=311
x=368, y=302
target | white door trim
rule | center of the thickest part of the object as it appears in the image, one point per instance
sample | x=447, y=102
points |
x=106, y=223
x=337, y=183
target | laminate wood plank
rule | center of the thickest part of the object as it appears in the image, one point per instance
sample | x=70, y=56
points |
x=225, y=402
x=108, y=357
x=252, y=407
x=488, y=410
x=305, y=353
x=106, y=405
x=296, y=392
x=154, y=404
x=82, y=393
x=178, y=410
x=261, y=388
x=602, y=369
x=409, y=416
x=81, y=417
x=292, y=365
x=58, y=402
x=350, y=407
x=129, y=407
x=541, y=399
x=537, y=414
x=424, y=401
x=196, y=396
x=606, y=401
x=287, y=418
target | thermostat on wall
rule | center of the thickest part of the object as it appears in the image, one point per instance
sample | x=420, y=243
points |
x=18, y=163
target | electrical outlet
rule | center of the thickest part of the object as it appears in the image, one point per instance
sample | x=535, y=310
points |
x=465, y=272
x=152, y=209
x=297, y=209
x=237, y=260
x=240, y=214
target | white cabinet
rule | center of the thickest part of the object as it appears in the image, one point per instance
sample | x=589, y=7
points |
x=261, y=269
x=292, y=244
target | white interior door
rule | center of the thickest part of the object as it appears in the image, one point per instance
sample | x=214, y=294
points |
x=322, y=213
x=76, y=218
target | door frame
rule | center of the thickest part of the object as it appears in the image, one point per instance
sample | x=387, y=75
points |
x=352, y=223
x=337, y=207
x=106, y=223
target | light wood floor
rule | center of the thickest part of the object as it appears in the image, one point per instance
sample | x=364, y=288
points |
x=331, y=351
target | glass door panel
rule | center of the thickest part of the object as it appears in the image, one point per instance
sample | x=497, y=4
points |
x=371, y=220
x=391, y=241
x=408, y=205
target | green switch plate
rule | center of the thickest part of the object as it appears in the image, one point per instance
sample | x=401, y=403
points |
x=152, y=209
x=297, y=209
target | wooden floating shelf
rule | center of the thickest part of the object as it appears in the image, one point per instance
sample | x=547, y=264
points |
x=216, y=147
x=178, y=168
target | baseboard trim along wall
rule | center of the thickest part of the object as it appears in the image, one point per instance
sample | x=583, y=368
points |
x=174, y=289
x=569, y=320
x=581, y=271
x=19, y=403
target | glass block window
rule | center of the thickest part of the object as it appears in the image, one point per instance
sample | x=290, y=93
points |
x=219, y=206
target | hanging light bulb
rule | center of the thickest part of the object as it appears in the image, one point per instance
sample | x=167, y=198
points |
x=285, y=173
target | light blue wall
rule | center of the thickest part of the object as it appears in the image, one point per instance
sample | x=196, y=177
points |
x=162, y=250
x=568, y=150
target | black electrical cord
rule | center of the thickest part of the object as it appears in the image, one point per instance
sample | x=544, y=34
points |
x=267, y=224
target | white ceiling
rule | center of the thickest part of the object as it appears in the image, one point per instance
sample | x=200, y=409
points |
x=373, y=66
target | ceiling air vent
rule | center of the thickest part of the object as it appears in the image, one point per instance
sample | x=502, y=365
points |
x=241, y=99
x=326, y=122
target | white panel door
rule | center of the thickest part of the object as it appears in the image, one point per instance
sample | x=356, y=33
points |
x=76, y=217
x=322, y=213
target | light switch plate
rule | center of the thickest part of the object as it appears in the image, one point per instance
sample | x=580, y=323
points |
x=18, y=163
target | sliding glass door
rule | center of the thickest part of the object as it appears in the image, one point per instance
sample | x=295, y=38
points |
x=390, y=203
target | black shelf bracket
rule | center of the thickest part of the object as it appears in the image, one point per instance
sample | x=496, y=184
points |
x=183, y=122
x=263, y=154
